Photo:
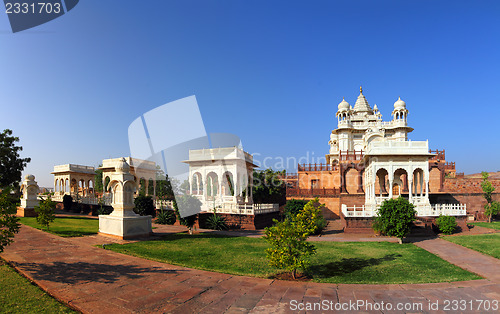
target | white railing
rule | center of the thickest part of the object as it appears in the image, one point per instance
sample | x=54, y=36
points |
x=433, y=210
x=358, y=211
x=245, y=209
x=164, y=204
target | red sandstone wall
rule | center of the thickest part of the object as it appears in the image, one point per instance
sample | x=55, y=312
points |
x=352, y=181
x=466, y=185
x=434, y=180
x=327, y=179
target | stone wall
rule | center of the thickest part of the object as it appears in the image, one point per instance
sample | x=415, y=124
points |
x=466, y=185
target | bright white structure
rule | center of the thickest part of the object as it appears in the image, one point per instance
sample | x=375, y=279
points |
x=73, y=180
x=141, y=170
x=392, y=163
x=30, y=191
x=222, y=178
x=123, y=222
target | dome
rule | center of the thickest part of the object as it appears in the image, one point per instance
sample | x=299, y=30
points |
x=361, y=104
x=399, y=104
x=29, y=177
x=344, y=105
x=122, y=166
x=375, y=108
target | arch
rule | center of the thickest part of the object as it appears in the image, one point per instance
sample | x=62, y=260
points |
x=56, y=185
x=151, y=187
x=351, y=178
x=418, y=181
x=401, y=178
x=73, y=186
x=107, y=182
x=66, y=186
x=197, y=184
x=212, y=184
x=396, y=190
x=382, y=177
x=227, y=184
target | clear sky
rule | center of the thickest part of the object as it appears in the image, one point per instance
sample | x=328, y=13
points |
x=271, y=72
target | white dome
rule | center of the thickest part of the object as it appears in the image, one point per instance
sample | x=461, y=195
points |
x=399, y=104
x=344, y=105
x=122, y=166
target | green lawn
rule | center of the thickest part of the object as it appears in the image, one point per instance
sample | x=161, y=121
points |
x=18, y=295
x=335, y=262
x=485, y=243
x=491, y=225
x=66, y=227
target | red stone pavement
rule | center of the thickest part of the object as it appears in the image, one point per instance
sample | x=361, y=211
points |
x=93, y=280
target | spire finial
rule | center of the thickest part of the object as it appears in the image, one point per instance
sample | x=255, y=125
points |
x=360, y=90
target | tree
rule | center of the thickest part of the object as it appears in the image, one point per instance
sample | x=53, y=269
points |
x=187, y=202
x=395, y=217
x=11, y=168
x=184, y=187
x=165, y=186
x=293, y=207
x=289, y=247
x=11, y=165
x=492, y=207
x=144, y=205
x=268, y=188
x=310, y=218
x=98, y=180
x=9, y=223
x=45, y=211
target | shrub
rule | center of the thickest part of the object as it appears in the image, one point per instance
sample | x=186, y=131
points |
x=395, y=217
x=191, y=203
x=293, y=207
x=289, y=247
x=144, y=206
x=104, y=210
x=310, y=218
x=217, y=222
x=67, y=202
x=45, y=211
x=446, y=224
x=166, y=217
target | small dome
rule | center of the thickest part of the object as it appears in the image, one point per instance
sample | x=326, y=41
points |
x=375, y=108
x=29, y=177
x=399, y=104
x=361, y=104
x=122, y=166
x=344, y=105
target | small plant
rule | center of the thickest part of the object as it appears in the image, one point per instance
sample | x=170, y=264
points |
x=289, y=247
x=492, y=207
x=395, y=217
x=217, y=222
x=446, y=224
x=144, y=206
x=166, y=217
x=45, y=211
x=310, y=218
x=67, y=202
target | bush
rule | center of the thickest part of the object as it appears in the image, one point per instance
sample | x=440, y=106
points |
x=9, y=223
x=45, y=211
x=104, y=210
x=144, y=206
x=395, y=217
x=293, y=207
x=166, y=217
x=217, y=222
x=310, y=218
x=446, y=224
x=67, y=202
x=289, y=247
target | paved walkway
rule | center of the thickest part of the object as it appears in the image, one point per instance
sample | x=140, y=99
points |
x=93, y=280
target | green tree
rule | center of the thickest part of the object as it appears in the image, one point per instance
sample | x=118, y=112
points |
x=492, y=207
x=395, y=217
x=144, y=205
x=289, y=247
x=184, y=187
x=188, y=202
x=268, y=188
x=98, y=179
x=46, y=212
x=11, y=165
x=11, y=168
x=293, y=207
x=310, y=218
x=9, y=223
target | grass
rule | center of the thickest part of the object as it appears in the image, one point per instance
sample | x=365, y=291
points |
x=335, y=262
x=491, y=225
x=18, y=295
x=66, y=227
x=485, y=243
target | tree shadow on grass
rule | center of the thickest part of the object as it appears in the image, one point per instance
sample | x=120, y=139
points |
x=80, y=272
x=71, y=233
x=346, y=266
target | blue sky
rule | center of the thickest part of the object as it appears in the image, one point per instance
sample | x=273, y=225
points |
x=271, y=72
